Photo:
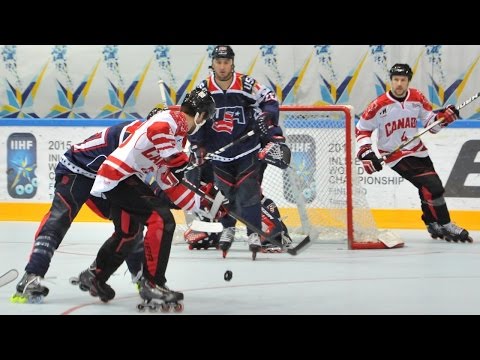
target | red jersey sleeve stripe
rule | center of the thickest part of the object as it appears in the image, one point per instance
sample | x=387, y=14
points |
x=111, y=173
x=181, y=196
x=162, y=138
x=361, y=134
x=121, y=164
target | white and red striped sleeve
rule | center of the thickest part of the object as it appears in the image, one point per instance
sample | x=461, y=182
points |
x=110, y=173
x=162, y=135
x=426, y=115
x=366, y=125
x=183, y=197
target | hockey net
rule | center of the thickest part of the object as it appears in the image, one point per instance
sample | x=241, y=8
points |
x=320, y=194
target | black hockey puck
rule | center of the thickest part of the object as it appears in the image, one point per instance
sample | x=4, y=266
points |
x=228, y=275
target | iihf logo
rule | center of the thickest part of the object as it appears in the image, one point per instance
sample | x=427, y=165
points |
x=21, y=165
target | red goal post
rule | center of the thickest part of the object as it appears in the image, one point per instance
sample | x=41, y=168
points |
x=321, y=194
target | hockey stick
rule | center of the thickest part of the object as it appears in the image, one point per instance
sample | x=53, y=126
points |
x=210, y=156
x=189, y=218
x=428, y=128
x=163, y=97
x=8, y=277
x=208, y=227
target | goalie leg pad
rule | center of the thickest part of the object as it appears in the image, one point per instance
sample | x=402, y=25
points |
x=200, y=239
x=271, y=222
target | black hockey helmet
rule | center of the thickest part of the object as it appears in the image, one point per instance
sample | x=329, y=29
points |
x=401, y=70
x=223, y=51
x=199, y=101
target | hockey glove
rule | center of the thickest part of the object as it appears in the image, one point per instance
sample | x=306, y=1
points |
x=197, y=155
x=176, y=164
x=369, y=160
x=211, y=190
x=261, y=127
x=177, y=160
x=449, y=115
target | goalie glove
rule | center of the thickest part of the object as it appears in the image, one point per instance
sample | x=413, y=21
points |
x=276, y=153
x=449, y=115
x=369, y=160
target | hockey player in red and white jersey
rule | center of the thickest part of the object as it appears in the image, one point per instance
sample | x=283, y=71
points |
x=394, y=115
x=154, y=148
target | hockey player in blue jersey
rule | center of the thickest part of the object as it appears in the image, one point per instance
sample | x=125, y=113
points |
x=242, y=104
x=74, y=177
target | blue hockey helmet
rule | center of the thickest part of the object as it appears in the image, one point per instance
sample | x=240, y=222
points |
x=223, y=51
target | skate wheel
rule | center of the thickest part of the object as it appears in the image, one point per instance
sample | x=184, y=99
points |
x=153, y=308
x=83, y=287
x=165, y=308
x=141, y=307
x=224, y=253
x=178, y=307
x=190, y=247
x=35, y=299
x=470, y=240
x=74, y=280
x=254, y=255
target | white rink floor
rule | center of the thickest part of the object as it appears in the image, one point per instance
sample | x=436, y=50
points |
x=425, y=277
